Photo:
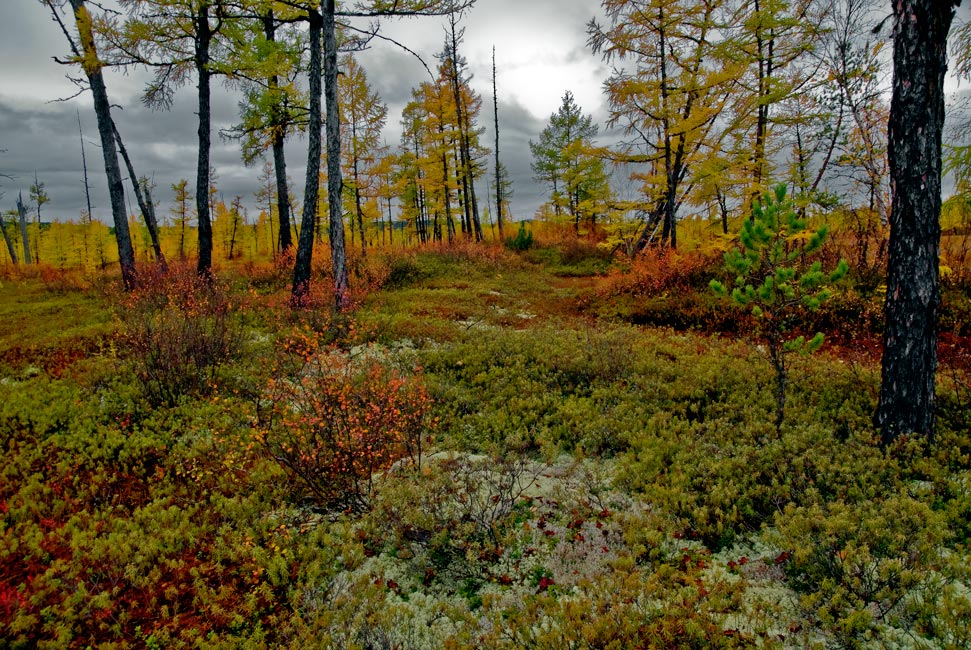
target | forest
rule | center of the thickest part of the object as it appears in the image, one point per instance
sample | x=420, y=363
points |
x=714, y=393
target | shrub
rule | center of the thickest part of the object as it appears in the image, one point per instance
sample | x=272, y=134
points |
x=333, y=420
x=523, y=240
x=178, y=331
x=857, y=564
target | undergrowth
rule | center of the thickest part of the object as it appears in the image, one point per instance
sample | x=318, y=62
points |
x=470, y=459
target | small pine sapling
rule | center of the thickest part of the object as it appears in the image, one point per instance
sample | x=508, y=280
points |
x=774, y=279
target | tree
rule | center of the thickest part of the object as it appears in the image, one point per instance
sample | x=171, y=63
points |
x=772, y=38
x=671, y=102
x=774, y=278
x=181, y=211
x=467, y=107
x=85, y=54
x=503, y=184
x=273, y=107
x=178, y=38
x=22, y=214
x=38, y=196
x=7, y=239
x=363, y=117
x=565, y=157
x=322, y=17
x=909, y=362
x=143, y=195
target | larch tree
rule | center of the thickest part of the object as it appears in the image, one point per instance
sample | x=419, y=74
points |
x=322, y=16
x=502, y=182
x=669, y=99
x=269, y=60
x=179, y=39
x=39, y=197
x=773, y=39
x=467, y=107
x=909, y=364
x=363, y=118
x=85, y=54
x=181, y=212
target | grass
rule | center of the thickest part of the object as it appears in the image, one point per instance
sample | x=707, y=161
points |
x=592, y=473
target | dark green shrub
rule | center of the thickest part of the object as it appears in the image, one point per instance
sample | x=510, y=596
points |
x=523, y=240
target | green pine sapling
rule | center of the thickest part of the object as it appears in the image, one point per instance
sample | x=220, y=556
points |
x=774, y=278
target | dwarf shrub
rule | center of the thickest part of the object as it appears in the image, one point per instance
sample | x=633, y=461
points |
x=332, y=421
x=178, y=330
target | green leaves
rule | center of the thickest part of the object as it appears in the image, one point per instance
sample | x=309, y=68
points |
x=774, y=278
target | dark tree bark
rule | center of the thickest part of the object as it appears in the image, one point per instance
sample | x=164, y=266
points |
x=144, y=198
x=203, y=39
x=102, y=109
x=84, y=166
x=913, y=292
x=470, y=205
x=305, y=243
x=279, y=158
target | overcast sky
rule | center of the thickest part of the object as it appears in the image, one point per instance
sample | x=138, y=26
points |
x=540, y=53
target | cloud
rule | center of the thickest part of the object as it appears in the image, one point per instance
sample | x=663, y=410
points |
x=540, y=53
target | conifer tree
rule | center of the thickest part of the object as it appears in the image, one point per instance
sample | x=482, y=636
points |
x=565, y=158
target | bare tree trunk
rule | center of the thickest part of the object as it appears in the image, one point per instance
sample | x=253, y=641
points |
x=9, y=242
x=305, y=243
x=203, y=40
x=22, y=212
x=334, y=182
x=499, y=180
x=144, y=203
x=913, y=287
x=102, y=110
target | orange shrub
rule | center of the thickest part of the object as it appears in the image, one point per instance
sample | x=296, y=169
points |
x=332, y=421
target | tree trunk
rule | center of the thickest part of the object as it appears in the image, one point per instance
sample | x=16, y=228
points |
x=499, y=179
x=7, y=240
x=102, y=110
x=279, y=157
x=148, y=210
x=305, y=243
x=24, y=238
x=203, y=39
x=913, y=293
x=337, y=249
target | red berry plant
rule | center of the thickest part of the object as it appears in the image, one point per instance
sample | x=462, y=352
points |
x=335, y=419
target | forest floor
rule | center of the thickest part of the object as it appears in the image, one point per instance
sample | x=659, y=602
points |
x=492, y=450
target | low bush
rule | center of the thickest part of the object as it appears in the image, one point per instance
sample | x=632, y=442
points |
x=332, y=420
x=178, y=331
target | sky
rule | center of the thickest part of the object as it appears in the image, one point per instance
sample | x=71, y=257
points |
x=541, y=52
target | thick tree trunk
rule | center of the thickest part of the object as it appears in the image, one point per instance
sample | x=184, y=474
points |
x=203, y=40
x=102, y=110
x=305, y=243
x=913, y=293
x=337, y=248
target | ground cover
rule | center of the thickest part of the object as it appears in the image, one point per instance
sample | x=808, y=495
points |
x=543, y=450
